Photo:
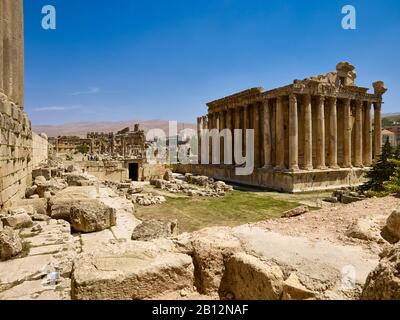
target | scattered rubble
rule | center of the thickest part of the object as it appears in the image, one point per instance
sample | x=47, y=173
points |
x=193, y=186
x=147, y=199
x=345, y=196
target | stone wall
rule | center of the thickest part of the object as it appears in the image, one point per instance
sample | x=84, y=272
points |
x=291, y=182
x=106, y=170
x=15, y=127
x=40, y=149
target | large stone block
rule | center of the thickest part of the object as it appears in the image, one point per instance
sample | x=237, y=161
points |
x=133, y=271
x=248, y=278
x=92, y=216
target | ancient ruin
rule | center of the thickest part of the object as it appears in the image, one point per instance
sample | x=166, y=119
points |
x=69, y=221
x=310, y=135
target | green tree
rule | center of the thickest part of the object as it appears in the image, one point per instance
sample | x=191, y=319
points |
x=393, y=185
x=396, y=153
x=84, y=149
x=381, y=171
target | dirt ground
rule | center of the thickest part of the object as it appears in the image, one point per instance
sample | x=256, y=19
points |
x=332, y=223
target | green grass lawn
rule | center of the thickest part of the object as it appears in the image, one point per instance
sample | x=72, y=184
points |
x=236, y=208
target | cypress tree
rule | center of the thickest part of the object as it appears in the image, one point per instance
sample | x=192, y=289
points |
x=381, y=171
x=393, y=185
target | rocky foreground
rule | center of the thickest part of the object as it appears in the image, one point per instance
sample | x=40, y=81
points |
x=75, y=238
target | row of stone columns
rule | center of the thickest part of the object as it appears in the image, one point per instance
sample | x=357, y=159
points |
x=362, y=126
x=12, y=50
x=326, y=143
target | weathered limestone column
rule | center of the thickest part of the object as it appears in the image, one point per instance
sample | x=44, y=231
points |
x=229, y=117
x=245, y=126
x=1, y=43
x=199, y=130
x=367, y=155
x=321, y=163
x=293, y=134
x=237, y=126
x=308, y=160
x=7, y=53
x=333, y=158
x=266, y=132
x=347, y=134
x=377, y=129
x=256, y=126
x=222, y=126
x=123, y=146
x=358, y=157
x=15, y=27
x=280, y=138
x=205, y=152
x=211, y=126
x=21, y=59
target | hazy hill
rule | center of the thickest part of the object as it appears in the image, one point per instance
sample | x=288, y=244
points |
x=390, y=119
x=82, y=128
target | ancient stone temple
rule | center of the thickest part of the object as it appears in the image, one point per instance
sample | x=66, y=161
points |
x=313, y=134
x=15, y=134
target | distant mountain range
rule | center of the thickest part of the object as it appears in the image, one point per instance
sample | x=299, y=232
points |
x=82, y=128
x=390, y=119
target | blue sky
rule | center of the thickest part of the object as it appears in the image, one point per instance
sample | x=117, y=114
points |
x=127, y=59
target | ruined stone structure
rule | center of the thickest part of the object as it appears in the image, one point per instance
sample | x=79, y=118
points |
x=40, y=149
x=313, y=134
x=396, y=130
x=15, y=127
x=125, y=143
x=69, y=144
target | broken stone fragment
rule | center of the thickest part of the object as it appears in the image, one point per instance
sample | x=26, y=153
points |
x=10, y=243
x=296, y=212
x=40, y=217
x=40, y=179
x=364, y=229
x=52, y=186
x=155, y=229
x=30, y=191
x=393, y=224
x=383, y=283
x=40, y=205
x=168, y=175
x=293, y=289
x=18, y=221
x=92, y=216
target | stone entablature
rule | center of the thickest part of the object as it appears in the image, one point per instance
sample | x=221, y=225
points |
x=319, y=123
